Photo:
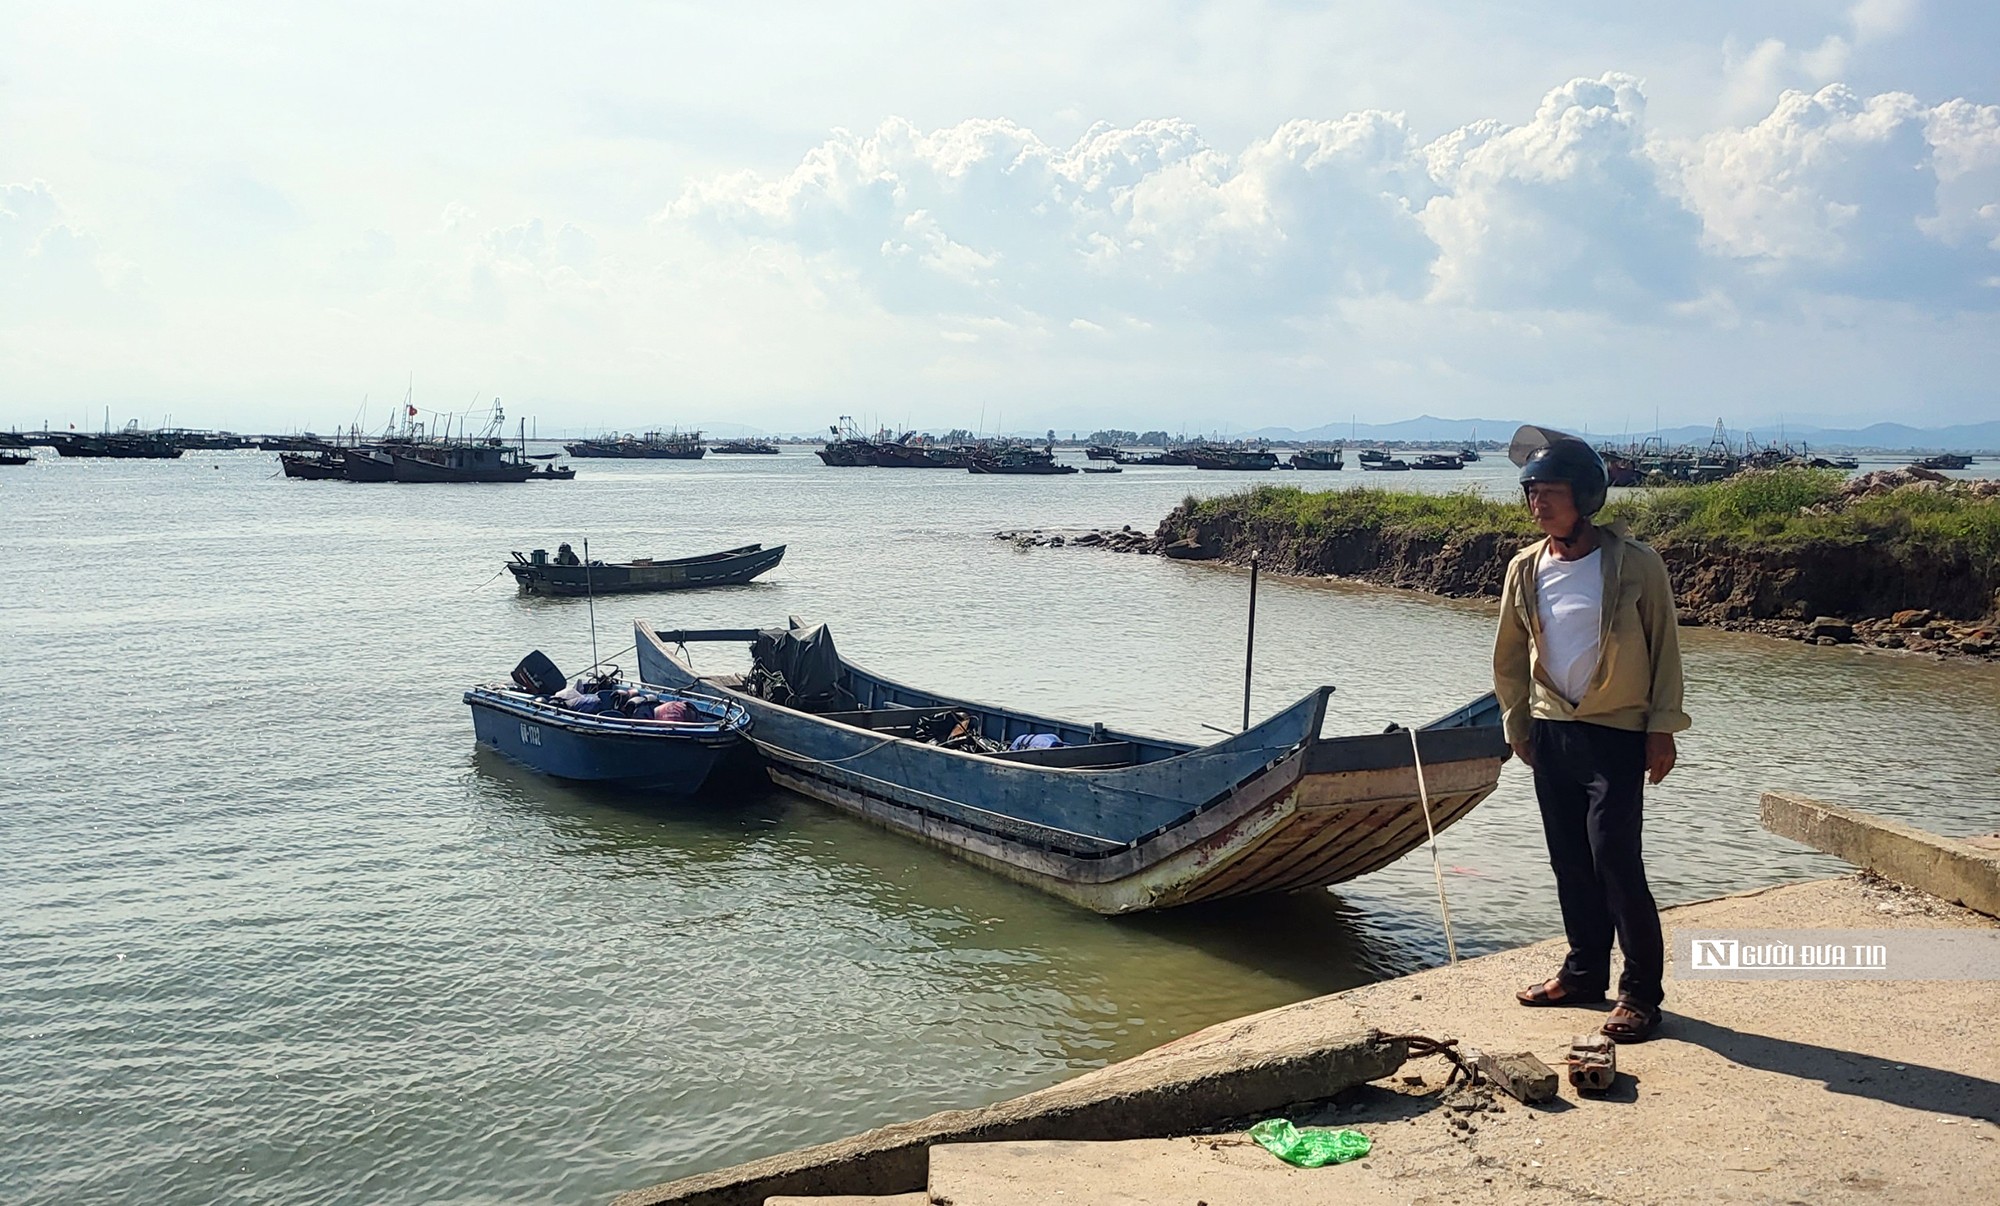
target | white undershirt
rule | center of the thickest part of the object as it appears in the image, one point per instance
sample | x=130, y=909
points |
x=1569, y=600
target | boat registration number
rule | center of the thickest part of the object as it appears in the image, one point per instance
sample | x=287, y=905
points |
x=531, y=734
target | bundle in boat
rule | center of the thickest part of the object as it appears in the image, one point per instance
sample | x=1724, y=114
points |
x=1112, y=821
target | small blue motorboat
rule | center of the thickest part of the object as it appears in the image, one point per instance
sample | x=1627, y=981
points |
x=606, y=729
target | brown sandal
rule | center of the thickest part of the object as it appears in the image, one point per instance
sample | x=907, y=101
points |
x=1555, y=992
x=1631, y=1022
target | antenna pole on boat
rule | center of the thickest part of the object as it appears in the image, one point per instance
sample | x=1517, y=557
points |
x=590, y=602
x=1250, y=642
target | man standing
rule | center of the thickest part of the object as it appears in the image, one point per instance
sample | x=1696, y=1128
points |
x=1587, y=668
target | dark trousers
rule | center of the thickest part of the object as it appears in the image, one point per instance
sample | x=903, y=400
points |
x=1589, y=780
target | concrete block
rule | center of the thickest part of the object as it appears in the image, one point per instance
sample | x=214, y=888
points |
x=1947, y=868
x=1523, y=1076
x=1238, y=1069
x=1593, y=1063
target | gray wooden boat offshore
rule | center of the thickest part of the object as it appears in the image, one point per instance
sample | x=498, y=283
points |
x=536, y=574
x=1112, y=821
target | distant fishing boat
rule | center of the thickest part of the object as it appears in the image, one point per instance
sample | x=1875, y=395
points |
x=1372, y=456
x=1103, y=469
x=1437, y=460
x=1318, y=458
x=308, y=442
x=744, y=448
x=605, y=729
x=1946, y=460
x=314, y=466
x=1111, y=821
x=1220, y=456
x=652, y=446
x=128, y=444
x=536, y=574
x=848, y=449
x=1386, y=464
x=918, y=452
x=1030, y=462
x=10, y=458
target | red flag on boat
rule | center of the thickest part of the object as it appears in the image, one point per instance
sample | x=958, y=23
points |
x=413, y=412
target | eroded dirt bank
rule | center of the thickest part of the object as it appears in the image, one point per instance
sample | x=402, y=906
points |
x=1900, y=595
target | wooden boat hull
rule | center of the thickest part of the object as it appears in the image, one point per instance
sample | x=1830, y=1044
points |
x=1276, y=808
x=640, y=755
x=115, y=448
x=733, y=567
x=1019, y=469
x=313, y=466
x=409, y=468
x=367, y=465
x=1234, y=462
x=636, y=450
x=1310, y=460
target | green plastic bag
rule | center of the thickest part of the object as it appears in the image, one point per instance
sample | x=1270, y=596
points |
x=1311, y=1147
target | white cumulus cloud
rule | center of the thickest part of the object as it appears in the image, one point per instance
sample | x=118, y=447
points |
x=1581, y=208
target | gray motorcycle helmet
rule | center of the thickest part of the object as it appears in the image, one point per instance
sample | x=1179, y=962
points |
x=1547, y=455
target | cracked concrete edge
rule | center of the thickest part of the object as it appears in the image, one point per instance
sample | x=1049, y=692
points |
x=1947, y=868
x=1176, y=1088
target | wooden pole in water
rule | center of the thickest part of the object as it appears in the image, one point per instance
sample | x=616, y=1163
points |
x=1250, y=642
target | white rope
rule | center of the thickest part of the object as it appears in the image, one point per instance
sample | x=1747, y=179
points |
x=1437, y=867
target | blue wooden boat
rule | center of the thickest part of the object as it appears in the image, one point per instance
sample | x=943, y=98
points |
x=1111, y=821
x=544, y=731
x=535, y=574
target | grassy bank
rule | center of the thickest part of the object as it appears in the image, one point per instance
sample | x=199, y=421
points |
x=1783, y=508
x=1314, y=513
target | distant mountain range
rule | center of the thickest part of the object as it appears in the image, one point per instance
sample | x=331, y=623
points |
x=1965, y=437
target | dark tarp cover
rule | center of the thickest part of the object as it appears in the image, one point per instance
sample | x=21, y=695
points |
x=805, y=658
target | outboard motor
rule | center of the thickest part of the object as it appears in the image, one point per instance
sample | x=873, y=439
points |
x=538, y=675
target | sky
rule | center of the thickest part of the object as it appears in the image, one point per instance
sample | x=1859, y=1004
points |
x=1008, y=214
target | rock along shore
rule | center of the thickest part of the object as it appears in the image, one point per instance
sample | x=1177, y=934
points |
x=1887, y=594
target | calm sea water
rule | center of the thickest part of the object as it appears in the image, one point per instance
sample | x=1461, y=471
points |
x=272, y=928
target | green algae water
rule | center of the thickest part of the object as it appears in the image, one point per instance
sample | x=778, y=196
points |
x=271, y=927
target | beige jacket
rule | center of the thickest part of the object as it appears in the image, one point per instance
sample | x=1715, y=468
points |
x=1637, y=685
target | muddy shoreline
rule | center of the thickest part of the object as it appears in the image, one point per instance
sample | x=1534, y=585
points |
x=1879, y=594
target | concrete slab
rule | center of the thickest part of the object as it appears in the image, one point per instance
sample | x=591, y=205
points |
x=1180, y=1087
x=1766, y=1092
x=1960, y=871
x=1218, y=1170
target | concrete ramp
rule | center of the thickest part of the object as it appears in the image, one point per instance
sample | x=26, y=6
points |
x=1219, y=1170
x=1962, y=871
